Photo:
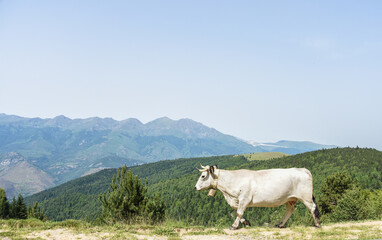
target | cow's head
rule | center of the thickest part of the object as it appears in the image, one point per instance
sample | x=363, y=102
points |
x=208, y=179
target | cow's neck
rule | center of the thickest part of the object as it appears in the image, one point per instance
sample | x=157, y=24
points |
x=224, y=182
x=225, y=185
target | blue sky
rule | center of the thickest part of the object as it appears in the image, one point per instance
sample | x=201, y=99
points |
x=258, y=70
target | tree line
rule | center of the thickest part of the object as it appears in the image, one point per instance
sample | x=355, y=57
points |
x=332, y=170
x=17, y=209
x=347, y=186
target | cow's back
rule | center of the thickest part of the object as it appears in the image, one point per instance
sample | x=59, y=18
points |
x=273, y=187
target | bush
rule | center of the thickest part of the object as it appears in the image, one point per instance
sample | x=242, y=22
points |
x=351, y=207
x=155, y=210
x=357, y=204
x=374, y=205
x=333, y=189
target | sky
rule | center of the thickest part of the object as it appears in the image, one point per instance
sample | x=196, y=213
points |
x=257, y=70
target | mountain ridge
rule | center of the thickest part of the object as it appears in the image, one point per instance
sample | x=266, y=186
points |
x=66, y=148
x=17, y=175
x=69, y=148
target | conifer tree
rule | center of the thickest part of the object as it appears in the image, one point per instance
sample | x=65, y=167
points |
x=18, y=209
x=36, y=212
x=22, y=208
x=126, y=200
x=4, y=205
x=13, y=208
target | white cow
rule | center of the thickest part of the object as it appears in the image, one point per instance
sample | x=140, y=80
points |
x=263, y=188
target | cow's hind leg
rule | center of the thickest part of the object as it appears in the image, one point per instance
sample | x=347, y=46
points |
x=289, y=210
x=245, y=222
x=312, y=206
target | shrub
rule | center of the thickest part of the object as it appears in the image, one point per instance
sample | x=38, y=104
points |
x=351, y=207
x=374, y=204
x=333, y=189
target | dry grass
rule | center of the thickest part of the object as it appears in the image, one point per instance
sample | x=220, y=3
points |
x=264, y=156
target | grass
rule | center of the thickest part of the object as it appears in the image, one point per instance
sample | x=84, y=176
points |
x=264, y=156
x=35, y=229
x=21, y=229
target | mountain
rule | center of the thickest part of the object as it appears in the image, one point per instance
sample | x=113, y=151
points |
x=18, y=175
x=174, y=181
x=289, y=147
x=67, y=148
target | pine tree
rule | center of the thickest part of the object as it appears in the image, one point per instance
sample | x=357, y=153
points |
x=13, y=208
x=36, y=212
x=18, y=209
x=4, y=205
x=22, y=208
x=126, y=200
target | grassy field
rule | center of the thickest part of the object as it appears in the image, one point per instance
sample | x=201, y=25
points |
x=264, y=156
x=73, y=229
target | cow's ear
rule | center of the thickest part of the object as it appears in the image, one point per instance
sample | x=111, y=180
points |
x=212, y=169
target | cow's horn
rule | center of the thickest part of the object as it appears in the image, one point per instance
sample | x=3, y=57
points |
x=203, y=168
x=200, y=170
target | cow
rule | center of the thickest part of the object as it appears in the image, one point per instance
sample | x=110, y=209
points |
x=263, y=188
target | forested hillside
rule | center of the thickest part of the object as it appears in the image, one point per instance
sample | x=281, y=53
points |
x=174, y=182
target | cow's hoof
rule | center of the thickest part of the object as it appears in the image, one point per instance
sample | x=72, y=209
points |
x=280, y=226
x=233, y=228
x=317, y=226
x=247, y=223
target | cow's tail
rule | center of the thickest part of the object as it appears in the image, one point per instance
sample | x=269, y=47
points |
x=316, y=211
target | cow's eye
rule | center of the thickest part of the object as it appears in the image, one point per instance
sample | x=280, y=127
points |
x=203, y=176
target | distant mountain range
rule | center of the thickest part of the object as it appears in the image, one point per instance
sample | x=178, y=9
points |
x=18, y=175
x=53, y=151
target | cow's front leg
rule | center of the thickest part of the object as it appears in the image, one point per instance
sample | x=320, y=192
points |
x=239, y=213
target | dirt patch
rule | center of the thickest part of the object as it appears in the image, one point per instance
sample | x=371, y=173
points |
x=144, y=237
x=377, y=224
x=66, y=234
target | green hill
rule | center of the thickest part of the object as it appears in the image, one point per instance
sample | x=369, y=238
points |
x=174, y=182
x=264, y=156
